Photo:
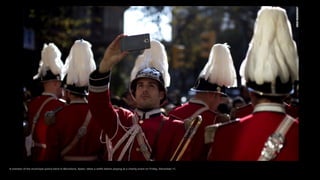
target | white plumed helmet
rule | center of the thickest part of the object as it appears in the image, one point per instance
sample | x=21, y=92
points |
x=78, y=66
x=219, y=73
x=153, y=64
x=50, y=65
x=271, y=63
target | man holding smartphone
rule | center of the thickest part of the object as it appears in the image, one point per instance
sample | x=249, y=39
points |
x=144, y=134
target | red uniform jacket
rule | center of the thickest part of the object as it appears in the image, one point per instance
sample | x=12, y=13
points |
x=67, y=123
x=199, y=149
x=244, y=140
x=161, y=134
x=243, y=111
x=40, y=131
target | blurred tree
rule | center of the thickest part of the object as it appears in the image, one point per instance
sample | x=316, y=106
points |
x=178, y=56
x=208, y=39
x=61, y=25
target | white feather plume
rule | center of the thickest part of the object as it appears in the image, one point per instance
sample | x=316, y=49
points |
x=272, y=51
x=79, y=64
x=50, y=60
x=155, y=57
x=140, y=63
x=220, y=68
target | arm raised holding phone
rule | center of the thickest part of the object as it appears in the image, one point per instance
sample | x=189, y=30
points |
x=120, y=47
x=112, y=55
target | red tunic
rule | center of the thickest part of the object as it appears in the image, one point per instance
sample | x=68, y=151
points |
x=199, y=149
x=244, y=140
x=243, y=111
x=163, y=139
x=39, y=135
x=62, y=132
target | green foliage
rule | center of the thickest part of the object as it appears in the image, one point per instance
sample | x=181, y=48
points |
x=60, y=25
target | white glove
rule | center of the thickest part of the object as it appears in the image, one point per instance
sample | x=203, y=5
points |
x=28, y=144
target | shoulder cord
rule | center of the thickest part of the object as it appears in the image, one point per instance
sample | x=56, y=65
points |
x=275, y=141
x=142, y=140
x=29, y=142
x=81, y=132
x=132, y=132
x=108, y=142
x=135, y=130
x=119, y=124
x=36, y=117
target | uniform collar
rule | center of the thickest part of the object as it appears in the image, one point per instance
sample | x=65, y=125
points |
x=273, y=107
x=148, y=114
x=197, y=101
x=78, y=101
x=49, y=94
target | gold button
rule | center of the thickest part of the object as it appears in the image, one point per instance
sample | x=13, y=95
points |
x=141, y=121
x=137, y=149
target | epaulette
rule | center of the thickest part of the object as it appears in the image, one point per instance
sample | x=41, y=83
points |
x=210, y=130
x=62, y=100
x=50, y=116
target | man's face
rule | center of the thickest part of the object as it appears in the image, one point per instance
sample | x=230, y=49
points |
x=147, y=94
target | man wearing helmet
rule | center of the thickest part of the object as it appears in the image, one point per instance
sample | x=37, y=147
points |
x=73, y=135
x=217, y=75
x=144, y=134
x=49, y=74
x=269, y=72
x=152, y=79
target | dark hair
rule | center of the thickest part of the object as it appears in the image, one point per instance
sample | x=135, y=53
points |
x=238, y=99
x=224, y=108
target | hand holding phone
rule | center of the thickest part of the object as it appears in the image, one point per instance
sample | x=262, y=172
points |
x=135, y=42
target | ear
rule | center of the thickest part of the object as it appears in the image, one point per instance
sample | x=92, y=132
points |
x=162, y=95
x=58, y=83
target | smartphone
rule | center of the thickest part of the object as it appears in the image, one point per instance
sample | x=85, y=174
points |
x=135, y=42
